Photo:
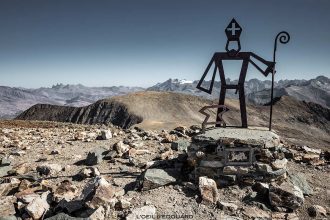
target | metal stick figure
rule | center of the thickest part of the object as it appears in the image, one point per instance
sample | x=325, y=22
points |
x=233, y=32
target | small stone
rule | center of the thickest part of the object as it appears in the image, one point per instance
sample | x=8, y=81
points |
x=227, y=206
x=88, y=172
x=80, y=136
x=181, y=129
x=311, y=151
x=265, y=168
x=134, y=152
x=65, y=190
x=200, y=154
x=104, y=193
x=18, y=153
x=110, y=155
x=63, y=216
x=309, y=157
x=38, y=207
x=212, y=164
x=317, y=210
x=124, y=204
x=7, y=207
x=4, y=170
x=121, y=148
x=143, y=211
x=167, y=155
x=24, y=185
x=180, y=145
x=28, y=198
x=255, y=213
x=48, y=169
x=191, y=186
x=242, y=170
x=168, y=138
x=208, y=190
x=22, y=168
x=261, y=188
x=284, y=216
x=11, y=217
x=106, y=134
x=229, y=170
x=54, y=152
x=98, y=214
x=280, y=164
x=5, y=161
x=6, y=188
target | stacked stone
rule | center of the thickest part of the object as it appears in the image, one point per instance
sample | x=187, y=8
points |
x=255, y=156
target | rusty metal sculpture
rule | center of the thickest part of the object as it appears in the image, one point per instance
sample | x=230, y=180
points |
x=233, y=32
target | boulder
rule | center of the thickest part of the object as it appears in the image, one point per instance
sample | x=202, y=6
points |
x=94, y=157
x=298, y=179
x=106, y=134
x=121, y=148
x=154, y=178
x=208, y=190
x=38, y=206
x=141, y=212
x=102, y=193
x=285, y=195
x=280, y=164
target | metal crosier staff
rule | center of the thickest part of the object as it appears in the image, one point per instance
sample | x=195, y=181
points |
x=283, y=37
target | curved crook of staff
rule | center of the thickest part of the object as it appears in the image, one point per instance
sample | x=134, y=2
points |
x=283, y=37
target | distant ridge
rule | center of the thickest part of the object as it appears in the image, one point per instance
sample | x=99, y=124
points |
x=166, y=110
x=13, y=101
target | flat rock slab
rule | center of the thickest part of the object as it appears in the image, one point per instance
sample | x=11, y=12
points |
x=265, y=138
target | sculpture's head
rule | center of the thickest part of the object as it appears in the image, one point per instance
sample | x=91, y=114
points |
x=233, y=32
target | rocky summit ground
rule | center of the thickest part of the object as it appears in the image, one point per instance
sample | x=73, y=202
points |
x=54, y=170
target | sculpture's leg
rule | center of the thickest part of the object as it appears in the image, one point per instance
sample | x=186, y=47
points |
x=242, y=106
x=221, y=102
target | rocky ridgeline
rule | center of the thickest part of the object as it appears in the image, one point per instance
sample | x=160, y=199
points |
x=69, y=171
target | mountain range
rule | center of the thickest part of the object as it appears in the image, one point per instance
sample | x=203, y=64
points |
x=13, y=101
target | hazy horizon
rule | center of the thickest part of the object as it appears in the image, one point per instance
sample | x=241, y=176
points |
x=144, y=87
x=141, y=43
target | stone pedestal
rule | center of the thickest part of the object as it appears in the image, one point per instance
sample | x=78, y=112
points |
x=228, y=155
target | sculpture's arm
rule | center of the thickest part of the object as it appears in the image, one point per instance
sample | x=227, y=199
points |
x=270, y=65
x=199, y=85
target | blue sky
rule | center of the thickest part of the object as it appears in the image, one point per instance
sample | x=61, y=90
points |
x=140, y=43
